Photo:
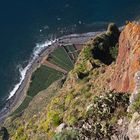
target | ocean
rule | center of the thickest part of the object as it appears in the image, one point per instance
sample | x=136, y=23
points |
x=26, y=26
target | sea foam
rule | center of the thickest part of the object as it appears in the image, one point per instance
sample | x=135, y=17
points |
x=23, y=71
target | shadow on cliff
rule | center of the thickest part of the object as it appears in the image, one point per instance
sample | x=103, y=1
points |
x=105, y=43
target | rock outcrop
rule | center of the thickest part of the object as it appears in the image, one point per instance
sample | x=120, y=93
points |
x=90, y=104
x=134, y=127
x=128, y=60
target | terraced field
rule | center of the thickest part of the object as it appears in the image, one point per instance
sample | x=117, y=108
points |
x=70, y=48
x=61, y=58
x=44, y=76
x=24, y=105
x=41, y=79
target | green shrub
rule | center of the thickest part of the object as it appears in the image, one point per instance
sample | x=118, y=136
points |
x=87, y=52
x=42, y=78
x=67, y=135
x=114, y=52
x=135, y=107
x=103, y=113
x=56, y=120
x=71, y=120
x=68, y=99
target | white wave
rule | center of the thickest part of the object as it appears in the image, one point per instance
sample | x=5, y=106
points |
x=23, y=71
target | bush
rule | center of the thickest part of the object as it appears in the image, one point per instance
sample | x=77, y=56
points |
x=135, y=107
x=114, y=52
x=102, y=115
x=56, y=120
x=71, y=120
x=67, y=135
x=53, y=118
x=68, y=99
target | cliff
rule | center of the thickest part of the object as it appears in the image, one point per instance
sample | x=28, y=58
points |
x=94, y=101
x=128, y=60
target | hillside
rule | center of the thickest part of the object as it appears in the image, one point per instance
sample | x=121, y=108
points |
x=99, y=99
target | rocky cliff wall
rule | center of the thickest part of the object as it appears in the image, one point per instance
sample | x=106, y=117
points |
x=128, y=60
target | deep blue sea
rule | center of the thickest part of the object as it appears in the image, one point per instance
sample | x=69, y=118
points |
x=24, y=23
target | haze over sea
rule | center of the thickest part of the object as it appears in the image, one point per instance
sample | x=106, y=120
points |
x=26, y=23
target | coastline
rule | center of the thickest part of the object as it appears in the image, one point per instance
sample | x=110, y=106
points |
x=15, y=101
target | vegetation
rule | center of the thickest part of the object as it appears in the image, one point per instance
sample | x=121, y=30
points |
x=61, y=58
x=135, y=106
x=114, y=52
x=67, y=135
x=41, y=79
x=70, y=48
x=72, y=52
x=99, y=51
x=84, y=104
x=24, y=105
x=104, y=42
x=104, y=113
x=101, y=116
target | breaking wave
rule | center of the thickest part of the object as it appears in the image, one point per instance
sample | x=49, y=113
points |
x=23, y=71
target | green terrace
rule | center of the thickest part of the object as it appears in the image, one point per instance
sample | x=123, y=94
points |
x=72, y=52
x=63, y=57
x=41, y=79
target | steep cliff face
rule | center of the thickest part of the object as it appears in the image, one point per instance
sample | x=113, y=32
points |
x=90, y=105
x=128, y=60
x=126, y=76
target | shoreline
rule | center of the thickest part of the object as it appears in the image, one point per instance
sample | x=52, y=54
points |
x=15, y=101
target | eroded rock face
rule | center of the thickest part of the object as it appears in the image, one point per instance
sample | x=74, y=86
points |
x=134, y=127
x=128, y=60
x=136, y=91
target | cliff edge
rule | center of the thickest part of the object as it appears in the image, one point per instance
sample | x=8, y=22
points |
x=128, y=60
x=96, y=101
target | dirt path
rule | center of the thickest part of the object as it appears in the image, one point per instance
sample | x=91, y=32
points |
x=53, y=66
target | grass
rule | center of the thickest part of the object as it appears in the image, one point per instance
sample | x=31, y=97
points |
x=24, y=105
x=44, y=76
x=41, y=79
x=70, y=48
x=67, y=135
x=61, y=58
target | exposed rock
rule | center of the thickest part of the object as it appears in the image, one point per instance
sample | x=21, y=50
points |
x=120, y=121
x=85, y=108
x=134, y=127
x=137, y=87
x=128, y=60
x=60, y=128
